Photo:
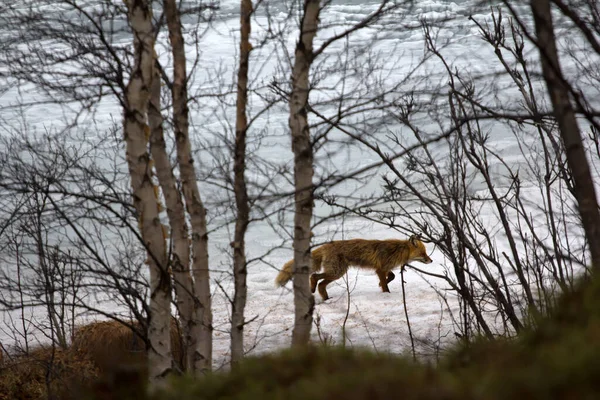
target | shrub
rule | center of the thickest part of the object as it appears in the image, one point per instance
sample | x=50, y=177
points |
x=112, y=345
x=45, y=373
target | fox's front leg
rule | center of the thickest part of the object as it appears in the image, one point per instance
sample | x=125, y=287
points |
x=384, y=279
x=314, y=279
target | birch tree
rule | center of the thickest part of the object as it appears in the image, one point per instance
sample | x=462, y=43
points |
x=239, y=187
x=303, y=172
x=200, y=328
x=180, y=258
x=137, y=133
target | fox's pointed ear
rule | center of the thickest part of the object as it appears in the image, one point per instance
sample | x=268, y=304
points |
x=413, y=239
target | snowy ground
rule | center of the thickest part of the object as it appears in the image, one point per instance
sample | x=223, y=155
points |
x=375, y=319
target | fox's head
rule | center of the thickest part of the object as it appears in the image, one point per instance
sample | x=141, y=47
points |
x=418, y=252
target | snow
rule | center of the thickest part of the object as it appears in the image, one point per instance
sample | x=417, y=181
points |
x=372, y=319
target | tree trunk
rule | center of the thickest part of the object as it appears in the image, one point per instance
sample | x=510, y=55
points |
x=136, y=133
x=180, y=264
x=201, y=329
x=303, y=173
x=565, y=117
x=239, y=187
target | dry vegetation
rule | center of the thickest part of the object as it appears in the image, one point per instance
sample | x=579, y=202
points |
x=105, y=357
x=45, y=373
x=111, y=345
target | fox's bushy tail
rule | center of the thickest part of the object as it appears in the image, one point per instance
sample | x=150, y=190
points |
x=286, y=273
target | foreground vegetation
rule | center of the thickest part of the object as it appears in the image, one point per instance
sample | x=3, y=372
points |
x=556, y=357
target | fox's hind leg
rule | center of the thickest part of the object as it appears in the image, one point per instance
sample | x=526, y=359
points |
x=323, y=286
x=334, y=269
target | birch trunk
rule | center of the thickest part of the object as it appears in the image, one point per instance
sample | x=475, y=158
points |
x=239, y=187
x=571, y=135
x=303, y=172
x=180, y=263
x=201, y=327
x=136, y=133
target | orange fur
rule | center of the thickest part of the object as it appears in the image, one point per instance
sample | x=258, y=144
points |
x=336, y=257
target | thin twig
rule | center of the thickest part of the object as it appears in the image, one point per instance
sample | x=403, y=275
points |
x=412, y=341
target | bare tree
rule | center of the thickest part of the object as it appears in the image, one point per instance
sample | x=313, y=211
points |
x=506, y=254
x=303, y=171
x=201, y=327
x=95, y=64
x=560, y=94
x=137, y=133
x=88, y=224
x=241, y=192
x=180, y=260
x=103, y=62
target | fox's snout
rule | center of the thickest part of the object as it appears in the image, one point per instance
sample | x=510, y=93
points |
x=424, y=259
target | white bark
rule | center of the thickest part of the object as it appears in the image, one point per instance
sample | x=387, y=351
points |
x=303, y=172
x=180, y=263
x=136, y=133
x=201, y=326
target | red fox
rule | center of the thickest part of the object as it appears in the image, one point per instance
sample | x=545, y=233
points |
x=335, y=258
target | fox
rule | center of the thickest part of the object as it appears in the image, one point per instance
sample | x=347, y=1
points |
x=335, y=257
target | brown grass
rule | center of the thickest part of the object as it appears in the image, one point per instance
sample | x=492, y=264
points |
x=112, y=345
x=106, y=358
x=45, y=373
